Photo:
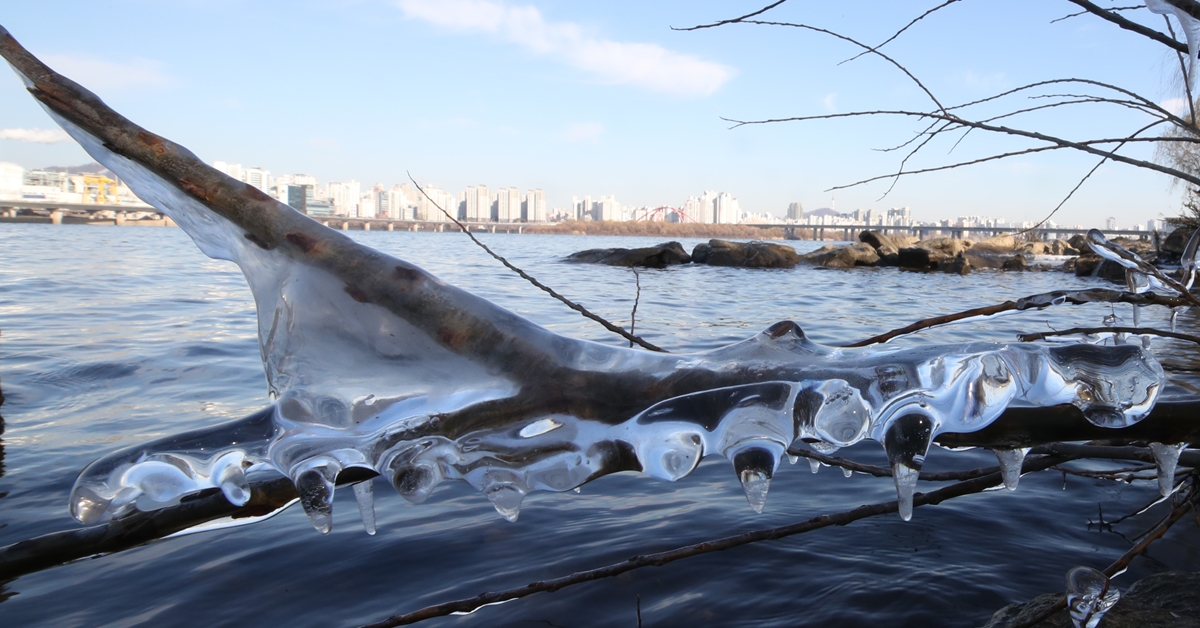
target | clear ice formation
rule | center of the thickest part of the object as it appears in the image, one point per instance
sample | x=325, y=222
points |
x=1191, y=31
x=375, y=365
x=1089, y=596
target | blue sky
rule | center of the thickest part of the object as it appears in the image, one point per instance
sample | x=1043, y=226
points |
x=601, y=98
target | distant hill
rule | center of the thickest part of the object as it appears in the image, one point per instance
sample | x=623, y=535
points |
x=92, y=168
x=824, y=211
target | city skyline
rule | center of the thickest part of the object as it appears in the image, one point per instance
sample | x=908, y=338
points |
x=405, y=201
x=461, y=91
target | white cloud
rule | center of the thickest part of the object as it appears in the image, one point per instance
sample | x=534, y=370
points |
x=830, y=102
x=100, y=74
x=645, y=65
x=582, y=132
x=39, y=136
x=1177, y=106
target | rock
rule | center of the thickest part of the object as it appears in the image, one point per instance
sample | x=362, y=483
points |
x=660, y=256
x=1061, y=247
x=1037, y=248
x=1016, y=262
x=997, y=244
x=857, y=254
x=1172, y=246
x=1167, y=600
x=1092, y=265
x=883, y=244
x=916, y=258
x=891, y=259
x=946, y=246
x=957, y=265
x=745, y=254
x=1079, y=243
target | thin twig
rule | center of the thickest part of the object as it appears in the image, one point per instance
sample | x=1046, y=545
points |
x=637, y=280
x=731, y=21
x=901, y=31
x=569, y=303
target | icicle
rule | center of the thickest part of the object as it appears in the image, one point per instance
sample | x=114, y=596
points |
x=793, y=459
x=364, y=493
x=315, y=486
x=1010, y=465
x=1167, y=458
x=906, y=442
x=1175, y=311
x=506, y=498
x=1188, y=259
x=754, y=467
x=814, y=465
x=847, y=472
x=1089, y=596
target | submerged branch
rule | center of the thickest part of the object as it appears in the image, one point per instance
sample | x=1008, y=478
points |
x=1032, y=302
x=659, y=559
x=1141, y=331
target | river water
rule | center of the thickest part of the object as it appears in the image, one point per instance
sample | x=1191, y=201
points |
x=114, y=336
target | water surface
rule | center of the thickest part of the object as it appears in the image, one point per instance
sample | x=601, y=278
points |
x=113, y=336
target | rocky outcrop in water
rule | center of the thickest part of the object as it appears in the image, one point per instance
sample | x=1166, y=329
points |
x=660, y=256
x=745, y=254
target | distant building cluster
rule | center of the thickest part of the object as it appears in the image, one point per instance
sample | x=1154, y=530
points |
x=64, y=186
x=477, y=203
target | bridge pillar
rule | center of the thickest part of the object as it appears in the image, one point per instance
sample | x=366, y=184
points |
x=520, y=229
x=493, y=228
x=345, y=226
x=441, y=228
x=56, y=217
x=366, y=226
x=412, y=227
x=119, y=218
x=391, y=226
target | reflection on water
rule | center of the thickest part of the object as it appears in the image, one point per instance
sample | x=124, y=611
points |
x=130, y=334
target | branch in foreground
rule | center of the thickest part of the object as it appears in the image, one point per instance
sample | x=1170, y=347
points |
x=662, y=558
x=1130, y=25
x=1141, y=331
x=1118, y=566
x=1032, y=302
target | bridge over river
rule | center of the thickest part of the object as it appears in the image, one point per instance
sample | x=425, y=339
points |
x=803, y=231
x=27, y=210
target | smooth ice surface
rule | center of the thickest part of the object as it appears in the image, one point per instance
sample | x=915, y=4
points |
x=377, y=365
x=1089, y=596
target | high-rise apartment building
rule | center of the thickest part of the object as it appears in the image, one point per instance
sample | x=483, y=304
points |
x=795, y=211
x=535, y=206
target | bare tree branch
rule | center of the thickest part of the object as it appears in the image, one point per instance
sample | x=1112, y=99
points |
x=1130, y=25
